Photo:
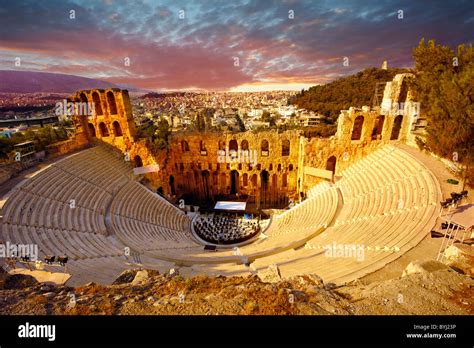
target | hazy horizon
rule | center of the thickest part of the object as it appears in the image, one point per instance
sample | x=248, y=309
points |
x=217, y=46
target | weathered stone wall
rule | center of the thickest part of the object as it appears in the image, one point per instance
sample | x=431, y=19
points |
x=206, y=165
x=112, y=120
x=64, y=147
x=272, y=169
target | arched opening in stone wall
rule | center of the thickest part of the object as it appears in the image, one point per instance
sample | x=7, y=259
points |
x=91, y=130
x=221, y=145
x=264, y=180
x=233, y=145
x=284, y=180
x=378, y=127
x=254, y=181
x=397, y=125
x=117, y=129
x=264, y=147
x=111, y=103
x=357, y=128
x=331, y=164
x=233, y=150
x=83, y=99
x=104, y=132
x=275, y=187
x=184, y=146
x=171, y=182
x=285, y=147
x=214, y=180
x=402, y=97
x=223, y=183
x=97, y=103
x=137, y=161
x=234, y=186
x=245, y=180
x=206, y=184
x=244, y=145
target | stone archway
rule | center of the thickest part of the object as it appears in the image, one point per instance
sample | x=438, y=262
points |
x=397, y=125
x=97, y=103
x=86, y=108
x=331, y=164
x=378, y=127
x=234, y=182
x=184, y=146
x=104, y=132
x=206, y=185
x=264, y=186
x=91, y=130
x=111, y=103
x=117, y=129
x=233, y=145
x=357, y=128
x=285, y=147
x=137, y=161
x=264, y=148
x=171, y=182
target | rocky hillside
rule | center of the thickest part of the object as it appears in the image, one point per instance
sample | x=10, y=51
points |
x=354, y=90
x=424, y=288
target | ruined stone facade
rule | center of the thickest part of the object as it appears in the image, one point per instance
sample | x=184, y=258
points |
x=265, y=167
x=261, y=166
x=112, y=118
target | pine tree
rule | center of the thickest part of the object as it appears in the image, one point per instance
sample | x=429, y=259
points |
x=444, y=85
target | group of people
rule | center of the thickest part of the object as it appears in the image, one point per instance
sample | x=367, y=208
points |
x=455, y=198
x=225, y=228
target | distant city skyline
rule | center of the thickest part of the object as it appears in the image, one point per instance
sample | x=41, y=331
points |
x=222, y=46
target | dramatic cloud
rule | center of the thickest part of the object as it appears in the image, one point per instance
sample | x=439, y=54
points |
x=222, y=45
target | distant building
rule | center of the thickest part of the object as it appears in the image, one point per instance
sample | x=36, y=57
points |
x=25, y=153
x=311, y=119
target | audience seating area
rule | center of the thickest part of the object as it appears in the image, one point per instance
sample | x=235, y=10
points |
x=146, y=222
x=290, y=229
x=62, y=210
x=89, y=208
x=390, y=205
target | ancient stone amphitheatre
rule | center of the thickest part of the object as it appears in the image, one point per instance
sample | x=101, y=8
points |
x=340, y=208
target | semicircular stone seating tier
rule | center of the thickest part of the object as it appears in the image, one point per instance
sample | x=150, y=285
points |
x=390, y=203
x=62, y=210
x=154, y=227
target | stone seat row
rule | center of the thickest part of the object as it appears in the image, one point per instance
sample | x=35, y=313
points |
x=75, y=245
x=383, y=233
x=33, y=210
x=137, y=202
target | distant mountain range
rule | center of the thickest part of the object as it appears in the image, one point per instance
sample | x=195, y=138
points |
x=12, y=81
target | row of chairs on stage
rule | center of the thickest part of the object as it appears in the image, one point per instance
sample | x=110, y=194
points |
x=225, y=228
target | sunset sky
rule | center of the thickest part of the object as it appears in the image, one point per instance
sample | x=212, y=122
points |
x=199, y=51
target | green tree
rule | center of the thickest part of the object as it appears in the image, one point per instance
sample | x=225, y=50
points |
x=355, y=90
x=265, y=116
x=444, y=85
x=240, y=122
x=162, y=133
